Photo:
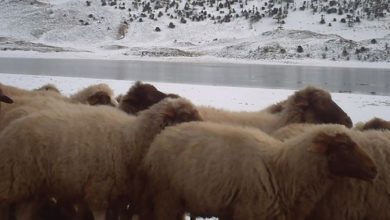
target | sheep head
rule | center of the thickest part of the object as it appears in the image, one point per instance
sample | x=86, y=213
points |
x=377, y=124
x=171, y=111
x=140, y=97
x=316, y=106
x=100, y=98
x=344, y=156
x=4, y=98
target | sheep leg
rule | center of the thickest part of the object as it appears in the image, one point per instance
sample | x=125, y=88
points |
x=27, y=210
x=99, y=214
x=7, y=212
x=120, y=209
x=168, y=208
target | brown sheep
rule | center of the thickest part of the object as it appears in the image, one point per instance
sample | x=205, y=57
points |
x=350, y=199
x=241, y=173
x=140, y=96
x=81, y=153
x=309, y=105
x=375, y=123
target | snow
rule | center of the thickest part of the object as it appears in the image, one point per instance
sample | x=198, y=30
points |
x=57, y=23
x=358, y=107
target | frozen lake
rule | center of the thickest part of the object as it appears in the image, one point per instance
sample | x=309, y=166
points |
x=335, y=79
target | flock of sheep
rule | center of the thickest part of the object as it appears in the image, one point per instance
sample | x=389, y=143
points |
x=156, y=156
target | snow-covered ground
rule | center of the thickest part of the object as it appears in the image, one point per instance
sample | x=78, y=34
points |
x=359, y=107
x=55, y=28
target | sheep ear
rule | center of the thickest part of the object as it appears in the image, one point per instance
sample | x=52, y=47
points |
x=6, y=99
x=99, y=98
x=170, y=113
x=320, y=143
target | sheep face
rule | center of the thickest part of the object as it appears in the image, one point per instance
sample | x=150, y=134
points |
x=178, y=111
x=376, y=123
x=140, y=97
x=4, y=98
x=101, y=98
x=318, y=107
x=344, y=156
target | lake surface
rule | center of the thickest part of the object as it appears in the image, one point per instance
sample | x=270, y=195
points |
x=335, y=79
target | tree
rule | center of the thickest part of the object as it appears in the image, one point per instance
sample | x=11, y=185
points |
x=171, y=25
x=157, y=29
x=345, y=52
x=299, y=49
x=322, y=20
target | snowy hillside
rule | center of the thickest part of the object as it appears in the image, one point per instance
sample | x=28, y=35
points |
x=244, y=29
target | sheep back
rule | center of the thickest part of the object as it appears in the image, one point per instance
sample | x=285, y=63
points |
x=70, y=151
x=208, y=163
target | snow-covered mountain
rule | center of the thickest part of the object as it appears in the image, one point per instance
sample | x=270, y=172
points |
x=244, y=29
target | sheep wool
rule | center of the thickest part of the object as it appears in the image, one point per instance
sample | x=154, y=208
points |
x=359, y=200
x=79, y=152
x=309, y=105
x=99, y=94
x=241, y=173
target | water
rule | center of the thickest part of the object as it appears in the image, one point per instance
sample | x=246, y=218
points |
x=335, y=79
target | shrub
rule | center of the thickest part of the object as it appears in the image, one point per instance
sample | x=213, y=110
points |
x=299, y=49
x=171, y=25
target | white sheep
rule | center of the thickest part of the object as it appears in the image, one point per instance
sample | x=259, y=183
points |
x=241, y=173
x=309, y=105
x=27, y=102
x=79, y=152
x=48, y=87
x=350, y=199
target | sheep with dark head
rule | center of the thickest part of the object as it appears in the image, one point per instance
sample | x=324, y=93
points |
x=241, y=173
x=81, y=153
x=375, y=123
x=140, y=96
x=309, y=105
x=350, y=199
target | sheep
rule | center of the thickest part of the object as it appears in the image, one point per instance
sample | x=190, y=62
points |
x=13, y=91
x=375, y=123
x=79, y=152
x=99, y=94
x=31, y=101
x=235, y=172
x=140, y=96
x=48, y=87
x=351, y=199
x=309, y=105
